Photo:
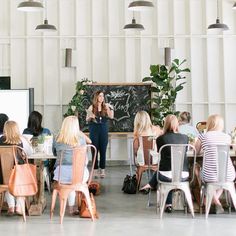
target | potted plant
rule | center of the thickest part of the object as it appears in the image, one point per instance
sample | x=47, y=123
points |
x=76, y=104
x=166, y=83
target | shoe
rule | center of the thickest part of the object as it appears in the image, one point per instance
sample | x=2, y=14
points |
x=18, y=211
x=11, y=211
x=219, y=209
x=145, y=190
x=73, y=211
x=96, y=174
x=168, y=209
x=102, y=174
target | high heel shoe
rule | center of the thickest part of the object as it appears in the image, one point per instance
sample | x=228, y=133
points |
x=168, y=209
x=145, y=190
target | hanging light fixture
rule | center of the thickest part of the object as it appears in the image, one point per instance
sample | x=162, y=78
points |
x=234, y=6
x=134, y=26
x=30, y=6
x=218, y=25
x=45, y=27
x=140, y=5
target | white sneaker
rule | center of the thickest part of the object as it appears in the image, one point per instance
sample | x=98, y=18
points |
x=96, y=173
x=102, y=174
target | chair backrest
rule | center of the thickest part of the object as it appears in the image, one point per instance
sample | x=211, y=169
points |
x=222, y=155
x=148, y=144
x=6, y=162
x=79, y=158
x=178, y=153
x=201, y=126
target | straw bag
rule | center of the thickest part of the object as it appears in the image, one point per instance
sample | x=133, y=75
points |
x=84, y=211
x=22, y=181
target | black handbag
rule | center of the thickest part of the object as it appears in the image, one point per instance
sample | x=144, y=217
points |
x=130, y=184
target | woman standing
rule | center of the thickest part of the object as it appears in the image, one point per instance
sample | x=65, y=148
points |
x=206, y=142
x=12, y=136
x=97, y=116
x=69, y=137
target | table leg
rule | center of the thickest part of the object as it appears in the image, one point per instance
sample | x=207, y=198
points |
x=39, y=201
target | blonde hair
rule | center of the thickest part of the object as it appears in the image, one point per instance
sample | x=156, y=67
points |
x=142, y=123
x=11, y=132
x=215, y=122
x=70, y=132
x=171, y=124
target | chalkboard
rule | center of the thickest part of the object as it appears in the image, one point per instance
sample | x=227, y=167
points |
x=127, y=100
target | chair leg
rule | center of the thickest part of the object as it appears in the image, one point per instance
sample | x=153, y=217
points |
x=139, y=176
x=47, y=178
x=63, y=201
x=88, y=200
x=232, y=192
x=2, y=200
x=22, y=206
x=209, y=195
x=163, y=197
x=202, y=195
x=188, y=196
x=54, y=197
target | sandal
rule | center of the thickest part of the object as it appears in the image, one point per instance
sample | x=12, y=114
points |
x=10, y=211
x=19, y=211
x=145, y=190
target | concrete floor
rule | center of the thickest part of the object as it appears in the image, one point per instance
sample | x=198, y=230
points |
x=120, y=214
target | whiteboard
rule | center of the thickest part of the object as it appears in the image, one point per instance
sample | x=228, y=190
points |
x=16, y=105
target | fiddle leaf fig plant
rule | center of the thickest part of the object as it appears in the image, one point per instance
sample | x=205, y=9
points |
x=166, y=83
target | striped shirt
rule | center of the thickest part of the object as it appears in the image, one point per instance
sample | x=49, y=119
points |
x=209, y=170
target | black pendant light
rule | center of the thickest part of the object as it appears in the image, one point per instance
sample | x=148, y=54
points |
x=218, y=25
x=45, y=27
x=133, y=26
x=30, y=6
x=140, y=5
x=234, y=6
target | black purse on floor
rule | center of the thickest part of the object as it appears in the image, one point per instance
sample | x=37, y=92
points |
x=130, y=184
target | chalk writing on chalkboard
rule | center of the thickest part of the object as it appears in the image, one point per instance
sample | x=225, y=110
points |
x=127, y=100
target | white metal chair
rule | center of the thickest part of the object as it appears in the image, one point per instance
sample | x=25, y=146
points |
x=178, y=155
x=222, y=161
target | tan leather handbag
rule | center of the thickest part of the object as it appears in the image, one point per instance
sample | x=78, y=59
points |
x=84, y=211
x=22, y=180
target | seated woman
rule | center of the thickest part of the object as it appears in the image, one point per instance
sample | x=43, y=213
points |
x=34, y=125
x=214, y=136
x=12, y=136
x=69, y=137
x=185, y=127
x=3, y=119
x=170, y=136
x=143, y=126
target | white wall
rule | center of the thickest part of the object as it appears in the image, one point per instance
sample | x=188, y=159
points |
x=105, y=53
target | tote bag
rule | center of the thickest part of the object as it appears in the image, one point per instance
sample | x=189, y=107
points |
x=140, y=153
x=84, y=211
x=22, y=181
